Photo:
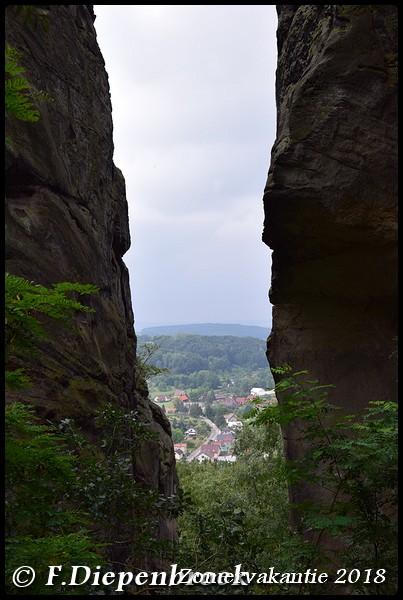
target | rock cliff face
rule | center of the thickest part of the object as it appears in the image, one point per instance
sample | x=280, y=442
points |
x=67, y=220
x=331, y=201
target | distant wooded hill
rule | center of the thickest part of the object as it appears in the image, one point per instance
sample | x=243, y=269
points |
x=211, y=361
x=209, y=329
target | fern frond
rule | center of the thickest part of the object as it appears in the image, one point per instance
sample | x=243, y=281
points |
x=19, y=105
x=16, y=380
x=16, y=84
x=19, y=97
x=80, y=288
x=12, y=53
x=26, y=302
x=12, y=68
x=16, y=284
x=42, y=96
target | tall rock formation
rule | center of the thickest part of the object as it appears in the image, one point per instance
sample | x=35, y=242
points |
x=67, y=220
x=331, y=202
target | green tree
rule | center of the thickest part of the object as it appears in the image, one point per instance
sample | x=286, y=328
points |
x=42, y=525
x=180, y=406
x=226, y=505
x=209, y=397
x=353, y=459
x=144, y=369
x=195, y=410
x=177, y=436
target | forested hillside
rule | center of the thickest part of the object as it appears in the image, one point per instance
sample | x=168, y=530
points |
x=194, y=361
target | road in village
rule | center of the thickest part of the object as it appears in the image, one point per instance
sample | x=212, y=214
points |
x=213, y=434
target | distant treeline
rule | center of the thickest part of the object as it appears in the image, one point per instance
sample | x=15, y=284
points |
x=219, y=329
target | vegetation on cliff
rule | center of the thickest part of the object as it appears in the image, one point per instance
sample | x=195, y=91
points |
x=69, y=500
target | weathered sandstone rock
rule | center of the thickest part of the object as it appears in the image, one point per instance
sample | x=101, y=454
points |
x=67, y=220
x=331, y=201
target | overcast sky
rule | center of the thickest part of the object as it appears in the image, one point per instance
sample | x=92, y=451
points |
x=193, y=107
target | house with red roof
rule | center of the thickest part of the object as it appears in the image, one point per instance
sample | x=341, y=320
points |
x=241, y=401
x=225, y=441
x=180, y=450
x=209, y=452
x=228, y=401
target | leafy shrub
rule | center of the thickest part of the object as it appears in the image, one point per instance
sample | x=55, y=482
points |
x=353, y=459
x=44, y=526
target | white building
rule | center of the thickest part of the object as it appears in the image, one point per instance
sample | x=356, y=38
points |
x=260, y=392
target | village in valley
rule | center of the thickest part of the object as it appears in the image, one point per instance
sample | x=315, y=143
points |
x=207, y=385
x=204, y=440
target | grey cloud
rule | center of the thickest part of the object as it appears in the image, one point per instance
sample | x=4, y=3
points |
x=192, y=91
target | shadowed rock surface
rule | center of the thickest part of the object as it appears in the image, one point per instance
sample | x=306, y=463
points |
x=331, y=202
x=67, y=220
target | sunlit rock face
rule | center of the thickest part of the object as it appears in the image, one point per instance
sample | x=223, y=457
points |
x=67, y=220
x=331, y=201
